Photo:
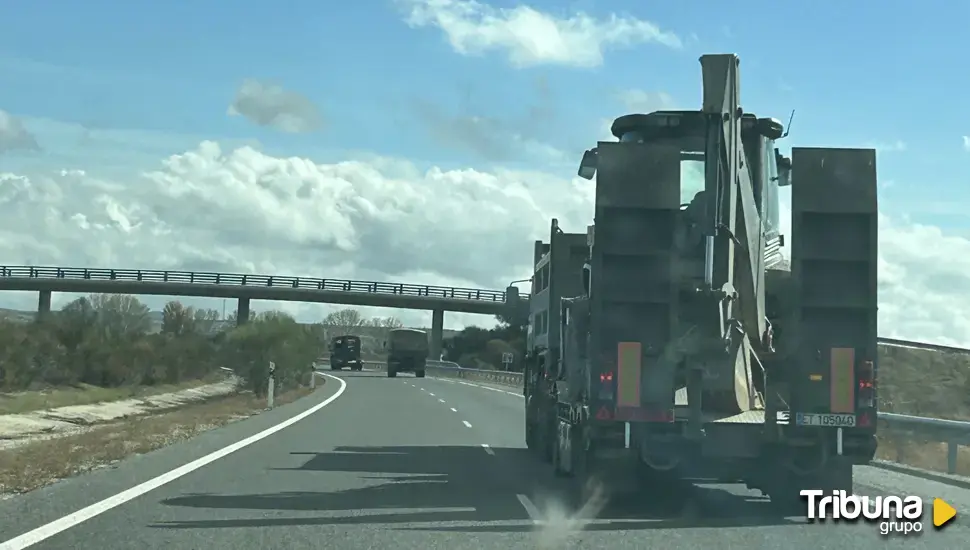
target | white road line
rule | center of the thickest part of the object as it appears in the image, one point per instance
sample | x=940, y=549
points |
x=466, y=423
x=454, y=410
x=530, y=508
x=422, y=389
x=441, y=400
x=431, y=394
x=480, y=386
x=47, y=531
x=488, y=449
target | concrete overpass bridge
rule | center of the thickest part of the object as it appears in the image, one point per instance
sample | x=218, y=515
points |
x=247, y=287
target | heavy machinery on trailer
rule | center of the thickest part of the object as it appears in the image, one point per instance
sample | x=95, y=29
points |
x=674, y=337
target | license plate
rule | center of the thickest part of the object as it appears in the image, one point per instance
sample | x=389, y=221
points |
x=833, y=420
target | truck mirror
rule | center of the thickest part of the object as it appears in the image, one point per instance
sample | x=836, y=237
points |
x=587, y=166
x=784, y=169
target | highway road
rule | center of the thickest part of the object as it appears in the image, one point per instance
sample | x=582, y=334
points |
x=403, y=463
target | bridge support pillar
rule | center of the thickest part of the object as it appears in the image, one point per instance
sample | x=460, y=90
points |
x=43, y=304
x=242, y=311
x=437, y=328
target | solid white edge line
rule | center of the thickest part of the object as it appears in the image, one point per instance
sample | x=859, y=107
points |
x=47, y=531
x=530, y=508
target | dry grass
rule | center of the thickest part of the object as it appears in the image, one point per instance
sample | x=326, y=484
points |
x=921, y=454
x=40, y=463
x=84, y=394
x=922, y=383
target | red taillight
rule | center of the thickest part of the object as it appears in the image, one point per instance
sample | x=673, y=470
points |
x=606, y=377
x=867, y=385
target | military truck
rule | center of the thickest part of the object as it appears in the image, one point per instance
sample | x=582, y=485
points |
x=673, y=339
x=407, y=351
x=345, y=352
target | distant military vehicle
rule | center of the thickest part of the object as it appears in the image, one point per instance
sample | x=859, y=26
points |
x=345, y=352
x=407, y=351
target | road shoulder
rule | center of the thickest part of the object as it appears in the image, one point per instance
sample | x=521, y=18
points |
x=21, y=513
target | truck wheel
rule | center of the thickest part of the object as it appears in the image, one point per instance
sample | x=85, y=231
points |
x=419, y=374
x=530, y=435
x=556, y=458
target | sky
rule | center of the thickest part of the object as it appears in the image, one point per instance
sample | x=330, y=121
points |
x=431, y=141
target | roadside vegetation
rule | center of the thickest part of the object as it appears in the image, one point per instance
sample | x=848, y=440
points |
x=107, y=348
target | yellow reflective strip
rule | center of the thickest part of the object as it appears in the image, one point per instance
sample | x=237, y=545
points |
x=628, y=374
x=842, y=392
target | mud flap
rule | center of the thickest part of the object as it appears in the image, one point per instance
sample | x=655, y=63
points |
x=834, y=262
x=634, y=291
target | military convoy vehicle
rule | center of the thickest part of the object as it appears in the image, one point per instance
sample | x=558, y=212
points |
x=345, y=352
x=407, y=351
x=673, y=338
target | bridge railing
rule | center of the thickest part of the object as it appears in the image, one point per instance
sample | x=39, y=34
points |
x=249, y=280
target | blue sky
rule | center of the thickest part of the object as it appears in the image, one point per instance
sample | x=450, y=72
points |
x=113, y=88
x=854, y=74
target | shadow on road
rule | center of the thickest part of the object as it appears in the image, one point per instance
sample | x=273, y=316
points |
x=395, y=485
x=426, y=484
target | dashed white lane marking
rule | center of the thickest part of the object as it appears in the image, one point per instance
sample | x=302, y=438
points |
x=431, y=394
x=441, y=400
x=47, y=531
x=488, y=449
x=479, y=386
x=454, y=410
x=422, y=389
x=530, y=508
x=466, y=423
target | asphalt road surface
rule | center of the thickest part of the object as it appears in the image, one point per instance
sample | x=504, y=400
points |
x=402, y=463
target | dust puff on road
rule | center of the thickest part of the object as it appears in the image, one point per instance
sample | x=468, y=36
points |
x=39, y=463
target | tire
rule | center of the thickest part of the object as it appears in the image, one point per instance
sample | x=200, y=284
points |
x=419, y=374
x=530, y=435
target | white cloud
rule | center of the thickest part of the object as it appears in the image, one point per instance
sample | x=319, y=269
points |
x=641, y=101
x=530, y=37
x=380, y=219
x=14, y=135
x=966, y=143
x=270, y=105
x=244, y=211
x=897, y=146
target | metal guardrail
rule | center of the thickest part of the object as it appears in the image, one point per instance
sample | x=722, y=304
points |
x=249, y=280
